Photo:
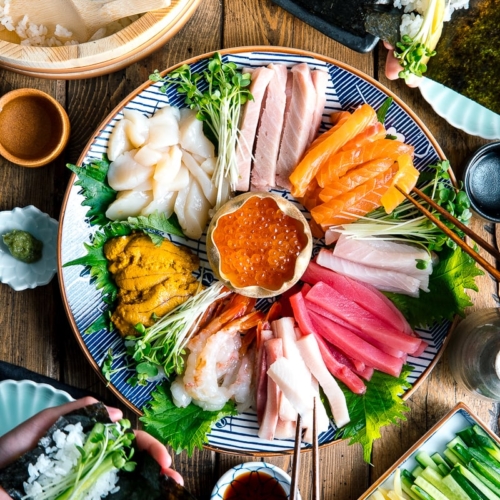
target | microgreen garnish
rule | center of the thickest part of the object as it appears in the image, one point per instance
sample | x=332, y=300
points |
x=162, y=345
x=219, y=106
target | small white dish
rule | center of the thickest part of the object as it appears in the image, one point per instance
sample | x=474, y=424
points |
x=261, y=467
x=19, y=275
x=461, y=112
x=20, y=400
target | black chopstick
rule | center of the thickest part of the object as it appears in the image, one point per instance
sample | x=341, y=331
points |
x=294, y=487
x=466, y=248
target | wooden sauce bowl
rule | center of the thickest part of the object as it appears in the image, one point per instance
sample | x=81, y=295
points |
x=34, y=127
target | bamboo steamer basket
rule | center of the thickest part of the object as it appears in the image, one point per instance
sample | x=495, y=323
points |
x=86, y=60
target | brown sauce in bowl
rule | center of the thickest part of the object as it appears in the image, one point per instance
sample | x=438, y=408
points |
x=255, y=485
x=29, y=127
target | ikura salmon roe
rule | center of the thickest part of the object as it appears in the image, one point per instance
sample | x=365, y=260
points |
x=259, y=244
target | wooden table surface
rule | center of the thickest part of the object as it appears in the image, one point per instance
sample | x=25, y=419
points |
x=34, y=330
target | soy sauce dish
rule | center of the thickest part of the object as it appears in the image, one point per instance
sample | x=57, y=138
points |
x=253, y=480
x=482, y=181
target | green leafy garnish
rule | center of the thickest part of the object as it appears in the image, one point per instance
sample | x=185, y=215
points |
x=219, y=106
x=180, y=428
x=382, y=112
x=413, y=53
x=379, y=406
x=454, y=273
x=98, y=194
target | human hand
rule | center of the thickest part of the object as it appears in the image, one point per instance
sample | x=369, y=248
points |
x=26, y=436
x=392, y=68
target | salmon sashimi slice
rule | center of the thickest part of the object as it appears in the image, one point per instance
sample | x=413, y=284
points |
x=356, y=203
x=311, y=197
x=309, y=166
x=337, y=119
x=372, y=133
x=342, y=162
x=355, y=178
x=406, y=179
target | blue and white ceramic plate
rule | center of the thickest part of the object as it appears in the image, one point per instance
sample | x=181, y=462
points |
x=21, y=399
x=434, y=440
x=348, y=89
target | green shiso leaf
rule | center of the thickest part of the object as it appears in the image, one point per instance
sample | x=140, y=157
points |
x=381, y=405
x=454, y=274
x=180, y=428
x=92, y=178
x=382, y=111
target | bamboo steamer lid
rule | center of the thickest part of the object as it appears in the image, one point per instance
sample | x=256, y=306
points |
x=86, y=60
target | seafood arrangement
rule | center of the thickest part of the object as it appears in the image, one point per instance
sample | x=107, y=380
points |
x=346, y=329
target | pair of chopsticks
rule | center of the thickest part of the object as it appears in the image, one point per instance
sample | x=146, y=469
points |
x=461, y=243
x=294, y=488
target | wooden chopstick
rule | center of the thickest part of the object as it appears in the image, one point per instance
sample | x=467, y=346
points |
x=315, y=457
x=467, y=230
x=294, y=487
x=480, y=260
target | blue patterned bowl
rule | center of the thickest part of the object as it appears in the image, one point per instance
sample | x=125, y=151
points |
x=261, y=467
x=347, y=89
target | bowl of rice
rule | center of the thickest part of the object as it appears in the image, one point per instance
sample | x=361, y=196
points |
x=53, y=51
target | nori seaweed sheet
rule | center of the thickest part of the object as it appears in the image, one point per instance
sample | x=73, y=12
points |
x=145, y=482
x=346, y=14
x=467, y=56
x=383, y=21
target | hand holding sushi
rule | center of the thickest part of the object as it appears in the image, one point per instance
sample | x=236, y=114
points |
x=28, y=435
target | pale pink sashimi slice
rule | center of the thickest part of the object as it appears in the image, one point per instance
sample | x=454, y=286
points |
x=269, y=131
x=311, y=355
x=267, y=429
x=384, y=280
x=261, y=372
x=249, y=121
x=320, y=81
x=297, y=124
x=363, y=294
x=339, y=370
x=350, y=343
x=336, y=303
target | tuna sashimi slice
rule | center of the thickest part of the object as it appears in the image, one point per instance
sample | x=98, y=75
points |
x=355, y=178
x=309, y=166
x=395, y=256
x=274, y=351
x=354, y=346
x=320, y=81
x=300, y=313
x=338, y=370
x=342, y=162
x=269, y=130
x=366, y=337
x=249, y=121
x=364, y=295
x=336, y=303
x=297, y=125
x=311, y=354
x=382, y=279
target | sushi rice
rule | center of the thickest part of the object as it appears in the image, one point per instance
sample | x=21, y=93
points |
x=58, y=460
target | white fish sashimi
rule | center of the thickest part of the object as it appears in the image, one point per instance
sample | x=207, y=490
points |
x=311, y=355
x=192, y=138
x=137, y=127
x=126, y=173
x=209, y=190
x=163, y=205
x=166, y=171
x=390, y=255
x=164, y=128
x=209, y=166
x=382, y=279
x=181, y=180
x=118, y=141
x=147, y=185
x=148, y=156
x=180, y=205
x=195, y=211
x=128, y=204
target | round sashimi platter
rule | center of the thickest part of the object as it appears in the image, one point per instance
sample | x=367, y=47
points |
x=346, y=90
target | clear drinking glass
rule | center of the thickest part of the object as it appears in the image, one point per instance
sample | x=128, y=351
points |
x=474, y=353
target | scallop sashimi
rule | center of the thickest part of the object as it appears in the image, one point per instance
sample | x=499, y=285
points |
x=126, y=173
